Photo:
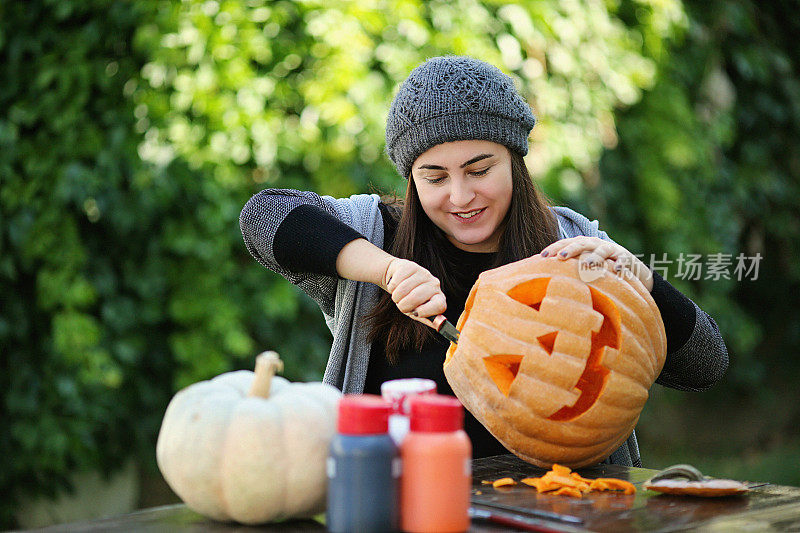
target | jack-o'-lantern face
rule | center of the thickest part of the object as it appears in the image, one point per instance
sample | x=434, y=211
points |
x=557, y=369
x=503, y=368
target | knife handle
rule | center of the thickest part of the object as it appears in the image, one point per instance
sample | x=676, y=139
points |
x=434, y=322
x=521, y=523
x=438, y=321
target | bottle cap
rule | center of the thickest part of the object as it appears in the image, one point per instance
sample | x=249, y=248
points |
x=399, y=391
x=431, y=413
x=363, y=414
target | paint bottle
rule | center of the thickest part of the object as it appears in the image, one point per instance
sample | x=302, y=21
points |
x=437, y=467
x=398, y=392
x=363, y=468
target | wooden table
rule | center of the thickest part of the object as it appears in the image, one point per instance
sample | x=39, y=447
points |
x=766, y=507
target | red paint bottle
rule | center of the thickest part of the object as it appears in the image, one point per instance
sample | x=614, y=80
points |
x=437, y=467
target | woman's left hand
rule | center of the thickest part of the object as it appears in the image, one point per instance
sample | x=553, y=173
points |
x=593, y=252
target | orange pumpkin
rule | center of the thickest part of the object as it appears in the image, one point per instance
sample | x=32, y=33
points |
x=557, y=369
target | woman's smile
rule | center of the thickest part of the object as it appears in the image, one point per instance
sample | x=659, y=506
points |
x=470, y=216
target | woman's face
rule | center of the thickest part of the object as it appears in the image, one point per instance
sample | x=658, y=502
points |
x=465, y=189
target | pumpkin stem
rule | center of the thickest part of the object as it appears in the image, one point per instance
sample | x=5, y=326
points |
x=267, y=363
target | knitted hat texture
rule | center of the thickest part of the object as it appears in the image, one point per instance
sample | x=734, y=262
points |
x=455, y=98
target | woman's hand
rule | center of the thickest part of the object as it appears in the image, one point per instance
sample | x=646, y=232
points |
x=593, y=252
x=414, y=290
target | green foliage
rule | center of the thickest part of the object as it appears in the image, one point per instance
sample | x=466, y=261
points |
x=124, y=280
x=132, y=133
x=714, y=142
x=295, y=94
x=66, y=156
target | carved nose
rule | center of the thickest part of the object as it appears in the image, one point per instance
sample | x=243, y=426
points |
x=547, y=341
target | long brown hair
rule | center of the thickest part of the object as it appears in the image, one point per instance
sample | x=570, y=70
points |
x=529, y=227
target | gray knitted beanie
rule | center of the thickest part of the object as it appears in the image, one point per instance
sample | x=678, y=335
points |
x=455, y=98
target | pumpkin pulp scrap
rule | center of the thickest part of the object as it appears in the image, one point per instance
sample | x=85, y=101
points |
x=561, y=481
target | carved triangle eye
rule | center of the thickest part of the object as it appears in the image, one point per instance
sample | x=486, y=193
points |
x=531, y=292
x=503, y=369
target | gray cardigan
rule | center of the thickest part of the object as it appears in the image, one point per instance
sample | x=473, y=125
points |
x=695, y=366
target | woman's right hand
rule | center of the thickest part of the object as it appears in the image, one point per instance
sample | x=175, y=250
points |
x=415, y=291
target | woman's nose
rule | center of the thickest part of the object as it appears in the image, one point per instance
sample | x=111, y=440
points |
x=461, y=194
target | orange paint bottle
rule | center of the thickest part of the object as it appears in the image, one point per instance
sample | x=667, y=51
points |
x=437, y=467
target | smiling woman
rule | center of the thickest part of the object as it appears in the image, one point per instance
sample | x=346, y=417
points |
x=458, y=131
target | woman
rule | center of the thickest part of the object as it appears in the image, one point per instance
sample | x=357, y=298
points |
x=457, y=130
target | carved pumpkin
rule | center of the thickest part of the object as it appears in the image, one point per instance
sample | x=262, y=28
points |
x=557, y=369
x=249, y=447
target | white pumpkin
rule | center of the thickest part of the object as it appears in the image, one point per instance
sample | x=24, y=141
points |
x=249, y=447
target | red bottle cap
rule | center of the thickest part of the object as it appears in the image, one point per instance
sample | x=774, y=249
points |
x=363, y=414
x=431, y=413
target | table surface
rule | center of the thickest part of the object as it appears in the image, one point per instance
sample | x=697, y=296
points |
x=766, y=507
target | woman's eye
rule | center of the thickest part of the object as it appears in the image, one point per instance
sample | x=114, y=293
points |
x=434, y=181
x=480, y=172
